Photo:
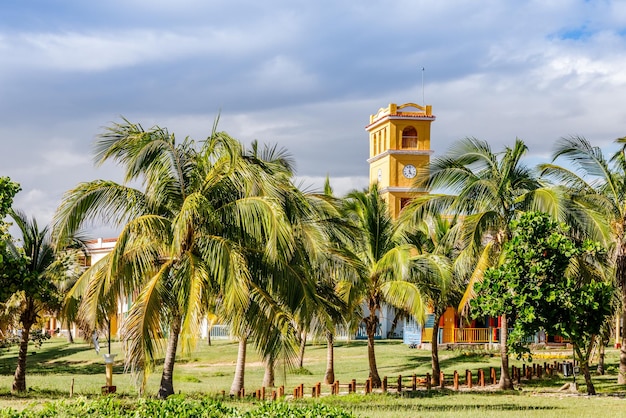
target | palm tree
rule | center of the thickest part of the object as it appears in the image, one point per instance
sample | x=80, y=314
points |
x=321, y=319
x=486, y=190
x=382, y=266
x=36, y=290
x=596, y=201
x=185, y=236
x=288, y=294
x=437, y=236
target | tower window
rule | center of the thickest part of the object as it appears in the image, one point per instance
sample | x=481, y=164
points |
x=409, y=137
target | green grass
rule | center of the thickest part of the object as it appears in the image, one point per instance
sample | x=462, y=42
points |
x=209, y=370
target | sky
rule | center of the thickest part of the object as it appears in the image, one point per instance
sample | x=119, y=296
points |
x=305, y=75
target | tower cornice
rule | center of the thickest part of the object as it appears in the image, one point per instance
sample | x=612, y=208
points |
x=399, y=152
x=396, y=189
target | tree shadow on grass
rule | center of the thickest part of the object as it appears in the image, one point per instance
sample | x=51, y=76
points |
x=480, y=360
x=45, y=360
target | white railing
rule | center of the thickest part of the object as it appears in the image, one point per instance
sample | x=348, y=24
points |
x=220, y=332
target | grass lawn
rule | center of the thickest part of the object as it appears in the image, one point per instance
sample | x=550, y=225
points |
x=209, y=369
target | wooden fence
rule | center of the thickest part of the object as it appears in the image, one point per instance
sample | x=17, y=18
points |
x=402, y=384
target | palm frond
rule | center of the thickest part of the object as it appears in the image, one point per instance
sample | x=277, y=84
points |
x=141, y=331
x=484, y=262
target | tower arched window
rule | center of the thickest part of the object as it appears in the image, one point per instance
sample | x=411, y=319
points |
x=409, y=137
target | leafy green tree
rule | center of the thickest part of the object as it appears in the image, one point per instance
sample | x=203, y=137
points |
x=486, y=190
x=8, y=268
x=186, y=236
x=8, y=190
x=594, y=201
x=33, y=285
x=548, y=281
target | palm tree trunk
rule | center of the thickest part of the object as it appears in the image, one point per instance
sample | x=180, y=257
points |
x=434, y=353
x=268, y=377
x=167, y=378
x=329, y=377
x=620, y=276
x=302, y=348
x=370, y=325
x=70, y=337
x=19, y=379
x=240, y=368
x=505, y=378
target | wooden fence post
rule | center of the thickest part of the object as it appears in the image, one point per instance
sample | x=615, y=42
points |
x=468, y=378
x=481, y=377
x=442, y=380
x=281, y=391
x=414, y=383
x=428, y=381
x=493, y=375
x=385, y=384
x=456, y=380
x=273, y=395
x=399, y=383
x=263, y=392
x=353, y=385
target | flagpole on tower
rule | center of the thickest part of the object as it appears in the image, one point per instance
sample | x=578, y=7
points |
x=423, y=101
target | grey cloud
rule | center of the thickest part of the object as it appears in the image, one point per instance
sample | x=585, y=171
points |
x=306, y=75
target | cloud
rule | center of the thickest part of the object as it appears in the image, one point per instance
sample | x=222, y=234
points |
x=304, y=75
x=340, y=185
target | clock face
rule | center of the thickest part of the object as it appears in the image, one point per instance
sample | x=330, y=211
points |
x=380, y=175
x=409, y=171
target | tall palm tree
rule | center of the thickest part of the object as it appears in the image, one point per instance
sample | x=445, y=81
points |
x=321, y=319
x=437, y=236
x=596, y=198
x=36, y=289
x=184, y=239
x=382, y=264
x=287, y=294
x=487, y=190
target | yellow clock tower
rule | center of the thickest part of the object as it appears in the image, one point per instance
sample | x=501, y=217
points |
x=399, y=148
